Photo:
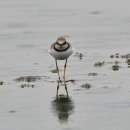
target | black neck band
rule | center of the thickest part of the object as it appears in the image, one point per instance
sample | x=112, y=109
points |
x=62, y=50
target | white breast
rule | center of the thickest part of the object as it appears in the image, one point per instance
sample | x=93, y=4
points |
x=61, y=55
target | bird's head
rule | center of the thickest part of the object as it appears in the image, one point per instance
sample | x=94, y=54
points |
x=61, y=41
x=61, y=44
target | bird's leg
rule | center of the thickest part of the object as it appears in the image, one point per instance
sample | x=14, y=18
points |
x=57, y=70
x=66, y=90
x=57, y=90
x=65, y=69
x=64, y=77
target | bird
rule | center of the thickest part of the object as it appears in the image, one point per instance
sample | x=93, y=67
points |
x=61, y=50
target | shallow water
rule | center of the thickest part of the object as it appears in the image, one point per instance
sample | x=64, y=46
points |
x=98, y=93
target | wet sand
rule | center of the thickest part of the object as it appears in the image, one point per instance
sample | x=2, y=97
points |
x=98, y=72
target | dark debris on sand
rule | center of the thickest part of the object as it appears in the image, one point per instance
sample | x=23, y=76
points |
x=117, y=62
x=115, y=67
x=12, y=111
x=117, y=55
x=54, y=71
x=79, y=55
x=92, y=74
x=128, y=61
x=27, y=86
x=127, y=56
x=95, y=12
x=99, y=64
x=86, y=86
x=1, y=82
x=28, y=78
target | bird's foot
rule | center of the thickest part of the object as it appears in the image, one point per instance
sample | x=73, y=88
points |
x=59, y=81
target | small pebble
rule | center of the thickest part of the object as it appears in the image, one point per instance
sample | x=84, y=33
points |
x=117, y=56
x=79, y=55
x=92, y=74
x=86, y=86
x=115, y=67
x=112, y=56
x=99, y=64
x=128, y=61
x=128, y=56
x=12, y=111
x=1, y=82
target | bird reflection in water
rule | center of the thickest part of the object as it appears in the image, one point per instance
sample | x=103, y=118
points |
x=63, y=107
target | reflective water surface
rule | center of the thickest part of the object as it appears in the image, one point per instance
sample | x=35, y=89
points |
x=97, y=75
